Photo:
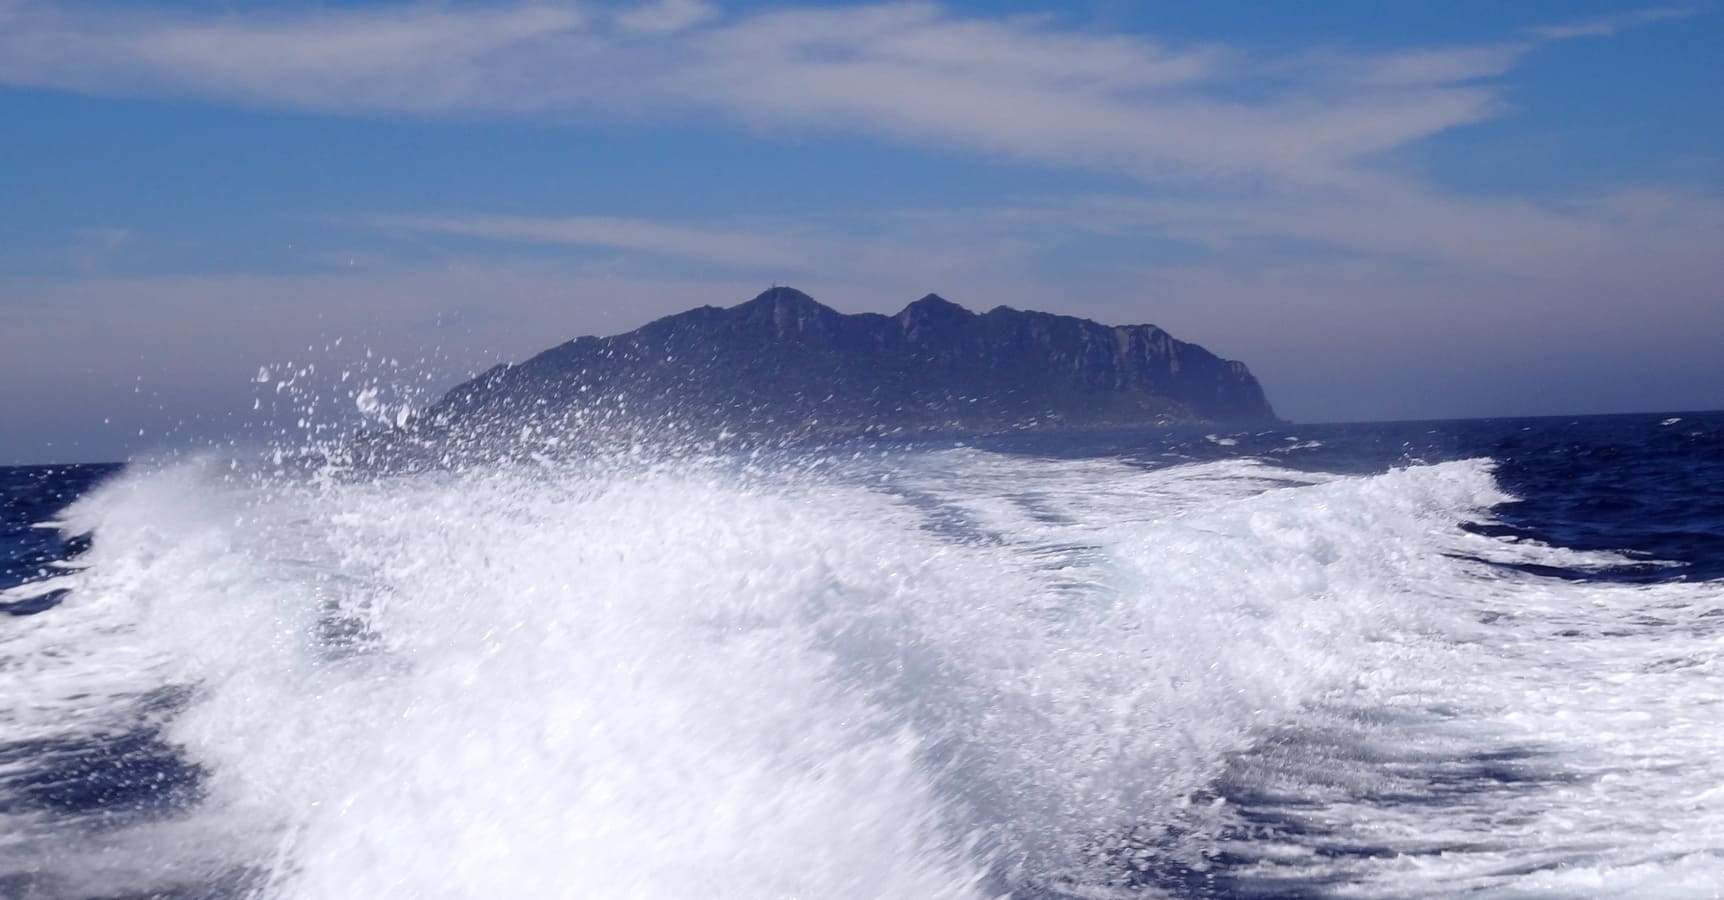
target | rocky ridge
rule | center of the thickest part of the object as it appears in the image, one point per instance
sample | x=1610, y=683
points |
x=784, y=365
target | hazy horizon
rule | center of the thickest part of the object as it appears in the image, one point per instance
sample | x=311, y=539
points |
x=195, y=436
x=1387, y=214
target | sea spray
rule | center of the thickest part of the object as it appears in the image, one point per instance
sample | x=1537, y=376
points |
x=852, y=676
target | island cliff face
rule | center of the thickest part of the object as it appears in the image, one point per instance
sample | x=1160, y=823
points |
x=784, y=365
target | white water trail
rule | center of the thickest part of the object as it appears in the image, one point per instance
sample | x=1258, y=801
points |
x=939, y=675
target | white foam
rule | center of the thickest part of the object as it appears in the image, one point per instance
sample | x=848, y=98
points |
x=917, y=676
x=30, y=590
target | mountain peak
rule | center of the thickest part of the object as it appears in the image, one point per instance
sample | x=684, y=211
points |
x=782, y=296
x=787, y=313
x=934, y=304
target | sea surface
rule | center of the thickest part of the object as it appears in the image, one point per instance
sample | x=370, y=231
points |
x=1433, y=659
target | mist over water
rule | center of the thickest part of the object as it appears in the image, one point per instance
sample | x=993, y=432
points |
x=1098, y=666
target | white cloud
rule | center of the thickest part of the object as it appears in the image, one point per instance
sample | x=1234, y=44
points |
x=1243, y=150
x=728, y=247
x=665, y=16
x=902, y=254
x=399, y=59
x=1641, y=235
x=1442, y=65
x=1291, y=156
x=1020, y=87
x=106, y=238
x=1608, y=25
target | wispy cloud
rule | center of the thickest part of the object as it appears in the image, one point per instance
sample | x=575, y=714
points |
x=1632, y=232
x=1017, y=86
x=414, y=59
x=893, y=252
x=1437, y=66
x=727, y=247
x=93, y=248
x=1291, y=158
x=1274, y=178
x=1608, y=25
x=664, y=16
x=106, y=238
x=1023, y=87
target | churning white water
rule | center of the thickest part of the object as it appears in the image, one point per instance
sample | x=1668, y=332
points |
x=932, y=674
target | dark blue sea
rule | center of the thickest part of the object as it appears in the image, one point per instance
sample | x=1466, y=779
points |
x=1419, y=659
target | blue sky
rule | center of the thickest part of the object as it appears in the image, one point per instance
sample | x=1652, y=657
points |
x=1387, y=210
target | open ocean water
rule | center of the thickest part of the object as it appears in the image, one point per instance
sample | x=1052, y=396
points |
x=1479, y=658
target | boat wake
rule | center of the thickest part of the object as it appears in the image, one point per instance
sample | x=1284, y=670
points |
x=942, y=673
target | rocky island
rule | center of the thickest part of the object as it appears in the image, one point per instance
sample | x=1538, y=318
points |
x=784, y=366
